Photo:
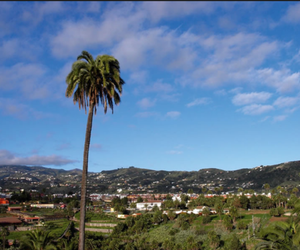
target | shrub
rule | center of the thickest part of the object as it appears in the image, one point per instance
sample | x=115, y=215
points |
x=185, y=225
x=233, y=243
x=241, y=225
x=173, y=231
x=200, y=230
x=277, y=212
x=206, y=220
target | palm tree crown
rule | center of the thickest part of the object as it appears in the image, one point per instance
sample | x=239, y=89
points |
x=91, y=81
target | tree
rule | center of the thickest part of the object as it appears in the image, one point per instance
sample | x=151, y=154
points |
x=227, y=222
x=171, y=215
x=213, y=240
x=89, y=82
x=233, y=243
x=68, y=244
x=4, y=233
x=37, y=240
x=280, y=235
x=233, y=211
x=190, y=191
x=295, y=190
x=266, y=186
x=219, y=206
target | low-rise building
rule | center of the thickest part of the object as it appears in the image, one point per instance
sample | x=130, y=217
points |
x=148, y=205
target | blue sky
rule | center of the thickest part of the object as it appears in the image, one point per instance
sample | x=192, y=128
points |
x=208, y=84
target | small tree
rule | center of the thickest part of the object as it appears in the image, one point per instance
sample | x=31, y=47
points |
x=171, y=215
x=233, y=243
x=219, y=206
x=213, y=240
x=4, y=233
x=227, y=222
x=233, y=213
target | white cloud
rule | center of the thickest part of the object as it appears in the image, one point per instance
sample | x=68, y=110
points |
x=249, y=98
x=280, y=118
x=8, y=158
x=159, y=86
x=199, y=101
x=157, y=46
x=283, y=102
x=292, y=14
x=138, y=77
x=173, y=114
x=39, y=10
x=230, y=59
x=282, y=80
x=21, y=111
x=115, y=24
x=220, y=92
x=256, y=109
x=146, y=103
x=167, y=10
x=29, y=79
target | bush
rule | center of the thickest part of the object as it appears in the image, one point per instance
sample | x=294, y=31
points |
x=185, y=225
x=233, y=243
x=277, y=212
x=173, y=231
x=241, y=225
x=206, y=220
x=227, y=222
x=200, y=230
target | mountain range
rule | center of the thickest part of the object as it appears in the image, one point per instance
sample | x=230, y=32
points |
x=138, y=180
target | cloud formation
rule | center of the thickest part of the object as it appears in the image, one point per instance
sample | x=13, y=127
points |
x=199, y=101
x=256, y=109
x=249, y=98
x=8, y=158
x=173, y=114
x=146, y=103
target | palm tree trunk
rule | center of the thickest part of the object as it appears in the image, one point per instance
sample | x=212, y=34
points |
x=84, y=178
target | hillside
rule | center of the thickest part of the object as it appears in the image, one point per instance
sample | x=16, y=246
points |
x=134, y=179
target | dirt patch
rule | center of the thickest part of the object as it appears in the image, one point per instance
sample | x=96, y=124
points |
x=278, y=219
x=258, y=212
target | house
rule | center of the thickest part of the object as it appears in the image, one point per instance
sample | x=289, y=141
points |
x=8, y=221
x=148, y=205
x=4, y=201
x=32, y=219
x=14, y=209
x=42, y=205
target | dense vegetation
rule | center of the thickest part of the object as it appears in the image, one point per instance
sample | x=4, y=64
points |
x=239, y=223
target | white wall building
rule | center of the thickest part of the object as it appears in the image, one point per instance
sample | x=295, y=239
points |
x=147, y=205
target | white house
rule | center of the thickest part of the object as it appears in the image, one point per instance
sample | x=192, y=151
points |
x=147, y=205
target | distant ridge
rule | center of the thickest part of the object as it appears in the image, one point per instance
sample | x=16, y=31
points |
x=76, y=170
x=139, y=179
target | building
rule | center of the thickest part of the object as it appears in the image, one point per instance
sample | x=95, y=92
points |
x=4, y=201
x=148, y=205
x=14, y=209
x=43, y=205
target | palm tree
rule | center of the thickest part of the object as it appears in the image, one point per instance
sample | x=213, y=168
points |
x=267, y=187
x=280, y=235
x=37, y=240
x=90, y=82
x=4, y=233
x=68, y=244
x=219, y=207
